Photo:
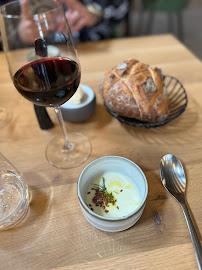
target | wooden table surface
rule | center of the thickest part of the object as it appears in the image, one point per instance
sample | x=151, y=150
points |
x=56, y=235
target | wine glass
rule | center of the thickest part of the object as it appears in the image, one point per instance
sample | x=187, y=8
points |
x=45, y=80
x=5, y=114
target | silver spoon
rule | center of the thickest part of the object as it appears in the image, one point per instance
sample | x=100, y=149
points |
x=174, y=181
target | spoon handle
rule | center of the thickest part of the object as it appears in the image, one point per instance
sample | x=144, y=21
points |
x=193, y=234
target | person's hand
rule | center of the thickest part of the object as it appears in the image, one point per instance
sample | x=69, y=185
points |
x=29, y=29
x=78, y=15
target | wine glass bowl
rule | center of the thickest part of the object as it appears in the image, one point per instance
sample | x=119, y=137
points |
x=48, y=81
x=45, y=81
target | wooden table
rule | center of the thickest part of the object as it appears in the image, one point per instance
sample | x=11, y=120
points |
x=56, y=234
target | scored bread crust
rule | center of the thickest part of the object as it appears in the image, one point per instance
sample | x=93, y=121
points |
x=135, y=90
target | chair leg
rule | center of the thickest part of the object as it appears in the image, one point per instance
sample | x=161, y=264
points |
x=170, y=22
x=149, y=23
x=139, y=27
x=180, y=28
x=127, y=21
x=179, y=23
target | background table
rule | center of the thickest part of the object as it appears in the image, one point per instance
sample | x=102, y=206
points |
x=56, y=234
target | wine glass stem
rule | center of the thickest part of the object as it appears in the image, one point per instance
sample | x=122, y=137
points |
x=67, y=145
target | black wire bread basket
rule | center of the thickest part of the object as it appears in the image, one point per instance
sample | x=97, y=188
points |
x=177, y=104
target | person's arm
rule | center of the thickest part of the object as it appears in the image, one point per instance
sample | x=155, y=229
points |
x=79, y=16
x=95, y=19
x=114, y=13
x=115, y=10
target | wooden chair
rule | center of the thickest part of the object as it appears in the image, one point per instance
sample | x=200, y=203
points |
x=170, y=7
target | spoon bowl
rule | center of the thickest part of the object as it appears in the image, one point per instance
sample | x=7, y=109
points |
x=174, y=180
x=173, y=176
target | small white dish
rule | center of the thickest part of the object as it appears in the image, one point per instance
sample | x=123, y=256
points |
x=119, y=165
x=80, y=112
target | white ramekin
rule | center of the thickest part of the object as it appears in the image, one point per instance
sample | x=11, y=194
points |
x=119, y=165
x=80, y=112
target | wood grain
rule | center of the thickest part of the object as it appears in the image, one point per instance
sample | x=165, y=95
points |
x=56, y=234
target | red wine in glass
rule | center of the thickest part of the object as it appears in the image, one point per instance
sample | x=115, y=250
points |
x=48, y=81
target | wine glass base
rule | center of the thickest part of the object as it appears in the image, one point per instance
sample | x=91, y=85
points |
x=5, y=117
x=60, y=156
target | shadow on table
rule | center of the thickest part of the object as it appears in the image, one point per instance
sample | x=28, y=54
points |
x=100, y=117
x=174, y=130
x=156, y=199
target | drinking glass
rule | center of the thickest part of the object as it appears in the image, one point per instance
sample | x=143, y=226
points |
x=47, y=80
x=5, y=114
x=14, y=195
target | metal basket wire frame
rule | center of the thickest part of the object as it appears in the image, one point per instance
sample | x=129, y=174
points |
x=177, y=104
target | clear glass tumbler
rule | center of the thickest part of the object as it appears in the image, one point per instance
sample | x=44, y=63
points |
x=14, y=195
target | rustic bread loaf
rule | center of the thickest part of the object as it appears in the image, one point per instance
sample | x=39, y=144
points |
x=135, y=90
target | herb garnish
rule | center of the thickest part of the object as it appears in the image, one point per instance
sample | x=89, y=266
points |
x=105, y=191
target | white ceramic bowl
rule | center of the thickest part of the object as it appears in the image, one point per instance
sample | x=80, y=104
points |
x=84, y=110
x=119, y=165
